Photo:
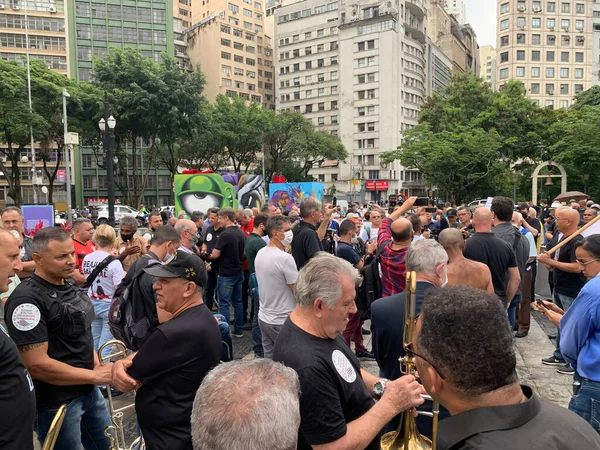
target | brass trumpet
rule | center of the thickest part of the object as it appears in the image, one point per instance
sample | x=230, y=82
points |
x=115, y=432
x=411, y=439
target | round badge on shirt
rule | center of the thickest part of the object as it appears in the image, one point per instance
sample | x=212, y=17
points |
x=343, y=366
x=209, y=237
x=26, y=317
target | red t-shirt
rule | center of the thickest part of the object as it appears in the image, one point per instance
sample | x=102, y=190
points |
x=81, y=250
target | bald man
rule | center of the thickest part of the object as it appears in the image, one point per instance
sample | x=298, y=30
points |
x=188, y=235
x=463, y=271
x=485, y=247
x=394, y=238
x=568, y=279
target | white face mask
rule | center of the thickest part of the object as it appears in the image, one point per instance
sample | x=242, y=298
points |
x=288, y=236
x=354, y=239
x=169, y=257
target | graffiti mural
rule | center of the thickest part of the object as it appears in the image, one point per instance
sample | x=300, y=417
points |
x=201, y=191
x=287, y=195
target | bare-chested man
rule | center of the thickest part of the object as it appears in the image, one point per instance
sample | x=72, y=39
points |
x=463, y=271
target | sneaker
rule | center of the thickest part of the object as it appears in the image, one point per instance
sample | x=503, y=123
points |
x=552, y=361
x=247, y=326
x=566, y=370
x=521, y=334
x=237, y=335
x=366, y=332
x=365, y=355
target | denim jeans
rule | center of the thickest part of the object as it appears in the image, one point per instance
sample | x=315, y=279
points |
x=226, y=343
x=586, y=401
x=85, y=421
x=210, y=290
x=512, y=310
x=100, y=329
x=564, y=302
x=230, y=290
x=257, y=346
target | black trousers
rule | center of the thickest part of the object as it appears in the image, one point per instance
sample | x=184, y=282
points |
x=245, y=292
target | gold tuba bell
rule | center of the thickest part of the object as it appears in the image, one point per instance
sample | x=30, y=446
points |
x=411, y=439
x=115, y=432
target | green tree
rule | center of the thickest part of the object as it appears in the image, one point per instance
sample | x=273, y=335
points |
x=589, y=97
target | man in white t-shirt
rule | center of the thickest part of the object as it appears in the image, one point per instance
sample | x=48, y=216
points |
x=370, y=231
x=276, y=274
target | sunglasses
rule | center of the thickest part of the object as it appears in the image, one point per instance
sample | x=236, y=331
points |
x=412, y=354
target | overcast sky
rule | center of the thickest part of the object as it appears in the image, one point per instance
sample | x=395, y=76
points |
x=481, y=14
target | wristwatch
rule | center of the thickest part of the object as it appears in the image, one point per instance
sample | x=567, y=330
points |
x=379, y=387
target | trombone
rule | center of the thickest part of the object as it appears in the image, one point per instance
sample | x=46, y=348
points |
x=411, y=439
x=54, y=429
x=115, y=432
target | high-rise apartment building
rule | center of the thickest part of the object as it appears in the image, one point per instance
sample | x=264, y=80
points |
x=548, y=46
x=439, y=69
x=182, y=20
x=232, y=49
x=458, y=9
x=596, y=40
x=487, y=56
x=359, y=73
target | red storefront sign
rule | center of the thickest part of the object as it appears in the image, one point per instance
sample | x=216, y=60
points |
x=377, y=185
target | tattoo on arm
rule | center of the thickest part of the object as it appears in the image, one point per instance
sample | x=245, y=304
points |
x=29, y=347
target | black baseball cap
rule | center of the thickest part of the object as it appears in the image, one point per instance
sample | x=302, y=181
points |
x=184, y=265
x=452, y=212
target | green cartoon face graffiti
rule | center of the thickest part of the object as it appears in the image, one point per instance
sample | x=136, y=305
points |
x=201, y=192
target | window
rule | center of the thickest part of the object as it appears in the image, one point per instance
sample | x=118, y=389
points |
x=225, y=55
x=578, y=88
x=565, y=7
x=579, y=57
x=321, y=91
x=333, y=75
x=549, y=72
x=535, y=88
x=564, y=104
x=564, y=56
x=504, y=57
x=579, y=40
x=520, y=38
x=233, y=8
x=238, y=58
x=535, y=55
x=503, y=41
x=551, y=7
x=247, y=25
x=520, y=71
x=536, y=22
x=247, y=12
x=565, y=40
x=334, y=105
x=334, y=90
x=307, y=65
x=549, y=56
x=521, y=22
x=373, y=174
x=536, y=39
x=366, y=45
x=225, y=42
x=551, y=23
x=549, y=104
x=236, y=45
x=579, y=25
x=520, y=55
x=226, y=69
x=580, y=8
x=503, y=74
x=578, y=73
x=564, y=89
x=550, y=39
x=564, y=72
x=321, y=106
x=504, y=8
x=504, y=24
x=308, y=93
x=535, y=72
x=565, y=23
x=369, y=61
x=550, y=88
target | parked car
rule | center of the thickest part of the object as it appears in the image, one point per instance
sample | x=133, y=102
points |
x=120, y=212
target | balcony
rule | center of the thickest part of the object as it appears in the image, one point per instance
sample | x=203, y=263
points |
x=417, y=8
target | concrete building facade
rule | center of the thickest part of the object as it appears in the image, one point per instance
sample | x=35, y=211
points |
x=596, y=40
x=548, y=46
x=458, y=9
x=359, y=73
x=439, y=69
x=487, y=56
x=233, y=51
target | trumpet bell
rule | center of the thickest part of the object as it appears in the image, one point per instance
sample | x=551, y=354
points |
x=412, y=440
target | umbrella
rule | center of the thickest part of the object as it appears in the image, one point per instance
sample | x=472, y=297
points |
x=571, y=195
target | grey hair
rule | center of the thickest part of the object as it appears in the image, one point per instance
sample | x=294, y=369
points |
x=227, y=212
x=309, y=205
x=252, y=404
x=248, y=212
x=196, y=215
x=275, y=223
x=131, y=221
x=11, y=208
x=42, y=238
x=322, y=278
x=424, y=256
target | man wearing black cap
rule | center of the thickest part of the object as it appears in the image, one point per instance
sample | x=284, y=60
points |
x=169, y=368
x=452, y=216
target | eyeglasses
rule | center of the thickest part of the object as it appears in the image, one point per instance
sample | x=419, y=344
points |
x=582, y=263
x=411, y=354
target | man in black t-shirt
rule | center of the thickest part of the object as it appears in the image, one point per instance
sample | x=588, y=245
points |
x=485, y=247
x=17, y=399
x=336, y=400
x=50, y=321
x=568, y=279
x=169, y=368
x=229, y=251
x=211, y=237
x=307, y=237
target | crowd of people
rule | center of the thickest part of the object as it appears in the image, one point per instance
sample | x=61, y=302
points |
x=304, y=282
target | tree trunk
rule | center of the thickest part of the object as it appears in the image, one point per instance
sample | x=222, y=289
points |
x=140, y=196
x=52, y=176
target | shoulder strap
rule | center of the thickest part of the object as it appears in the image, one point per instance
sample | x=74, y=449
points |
x=99, y=268
x=381, y=247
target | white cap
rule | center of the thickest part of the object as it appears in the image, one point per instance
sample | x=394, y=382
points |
x=556, y=205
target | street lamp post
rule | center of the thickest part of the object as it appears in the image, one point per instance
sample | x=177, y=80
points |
x=107, y=125
x=67, y=155
x=515, y=179
x=586, y=177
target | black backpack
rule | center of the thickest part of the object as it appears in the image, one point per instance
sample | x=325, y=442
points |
x=130, y=316
x=370, y=289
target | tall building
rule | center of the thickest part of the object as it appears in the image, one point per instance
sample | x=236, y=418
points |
x=487, y=56
x=232, y=49
x=456, y=40
x=548, y=46
x=596, y=40
x=458, y=9
x=359, y=73
x=47, y=42
x=439, y=69
x=93, y=29
x=182, y=20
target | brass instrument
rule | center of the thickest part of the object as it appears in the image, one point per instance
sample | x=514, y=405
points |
x=411, y=439
x=54, y=429
x=115, y=432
